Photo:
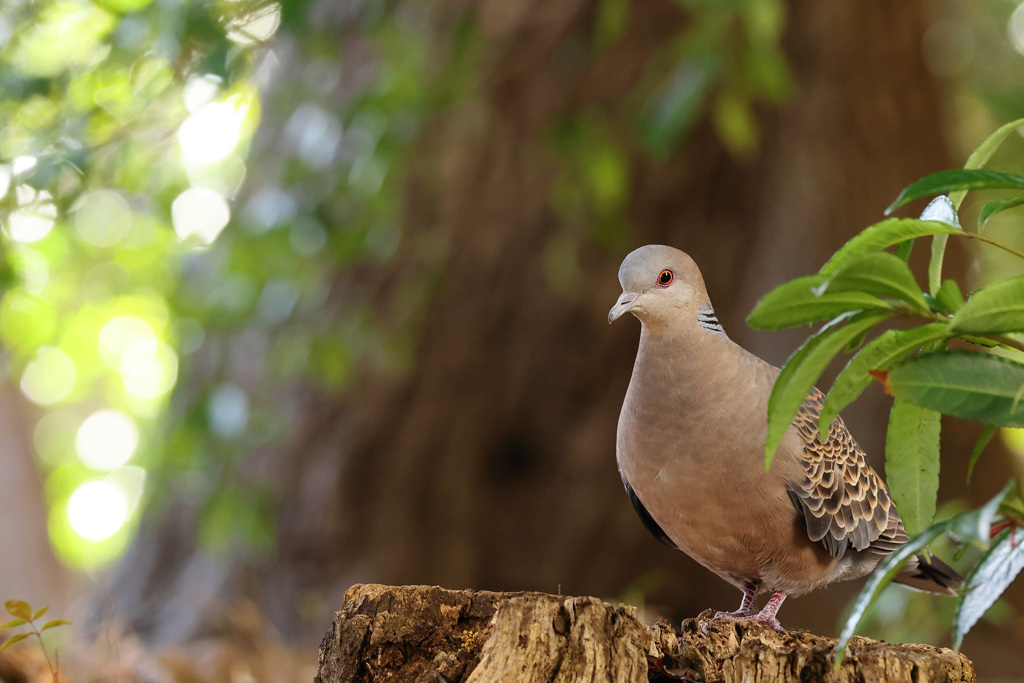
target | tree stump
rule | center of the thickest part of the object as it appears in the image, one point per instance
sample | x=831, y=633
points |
x=430, y=634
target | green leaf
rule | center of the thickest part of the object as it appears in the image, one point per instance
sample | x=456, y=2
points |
x=879, y=354
x=980, y=156
x=987, y=580
x=797, y=303
x=994, y=207
x=957, y=179
x=939, y=209
x=971, y=525
x=912, y=463
x=983, y=152
x=19, y=608
x=994, y=309
x=54, y=623
x=949, y=296
x=882, y=274
x=938, y=254
x=882, y=235
x=14, y=639
x=903, y=250
x=984, y=341
x=40, y=612
x=804, y=367
x=974, y=386
x=13, y=623
x=976, y=525
x=883, y=575
x=979, y=446
x=1012, y=505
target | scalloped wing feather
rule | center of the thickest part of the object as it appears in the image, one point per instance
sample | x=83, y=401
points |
x=843, y=501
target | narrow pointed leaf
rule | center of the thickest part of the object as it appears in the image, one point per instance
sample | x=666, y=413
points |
x=802, y=370
x=879, y=579
x=912, y=463
x=882, y=235
x=979, y=446
x=980, y=156
x=13, y=623
x=956, y=180
x=40, y=612
x=904, y=249
x=882, y=274
x=974, y=386
x=976, y=525
x=970, y=526
x=14, y=639
x=987, y=580
x=1012, y=505
x=799, y=302
x=949, y=295
x=939, y=209
x=18, y=608
x=53, y=623
x=879, y=354
x=938, y=254
x=994, y=207
x=994, y=309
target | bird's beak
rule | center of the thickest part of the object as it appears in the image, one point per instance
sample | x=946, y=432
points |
x=623, y=305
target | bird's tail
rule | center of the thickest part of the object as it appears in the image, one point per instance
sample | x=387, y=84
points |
x=925, y=572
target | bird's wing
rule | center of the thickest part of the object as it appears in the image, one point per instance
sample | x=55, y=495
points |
x=843, y=501
x=645, y=516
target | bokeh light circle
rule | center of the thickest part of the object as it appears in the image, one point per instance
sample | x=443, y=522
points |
x=97, y=510
x=106, y=439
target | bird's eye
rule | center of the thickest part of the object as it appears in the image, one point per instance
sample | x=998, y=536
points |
x=666, y=277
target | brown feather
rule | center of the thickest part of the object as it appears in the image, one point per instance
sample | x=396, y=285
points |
x=843, y=501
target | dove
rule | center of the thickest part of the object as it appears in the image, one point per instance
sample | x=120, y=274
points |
x=690, y=449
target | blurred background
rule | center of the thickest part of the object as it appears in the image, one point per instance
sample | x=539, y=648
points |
x=307, y=293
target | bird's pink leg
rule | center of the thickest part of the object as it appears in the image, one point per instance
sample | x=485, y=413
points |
x=771, y=608
x=746, y=610
x=747, y=605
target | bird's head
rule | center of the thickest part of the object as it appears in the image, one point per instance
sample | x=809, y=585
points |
x=660, y=285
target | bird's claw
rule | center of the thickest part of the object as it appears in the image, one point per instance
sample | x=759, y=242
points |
x=712, y=615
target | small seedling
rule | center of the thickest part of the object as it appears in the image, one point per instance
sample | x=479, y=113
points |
x=23, y=614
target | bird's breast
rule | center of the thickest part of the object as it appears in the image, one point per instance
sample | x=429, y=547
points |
x=694, y=454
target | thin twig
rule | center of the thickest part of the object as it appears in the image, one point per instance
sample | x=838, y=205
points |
x=42, y=646
x=988, y=240
x=1007, y=341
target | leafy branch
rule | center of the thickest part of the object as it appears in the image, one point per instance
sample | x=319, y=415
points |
x=861, y=290
x=23, y=614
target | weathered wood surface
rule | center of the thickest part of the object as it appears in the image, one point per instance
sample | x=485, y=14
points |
x=428, y=634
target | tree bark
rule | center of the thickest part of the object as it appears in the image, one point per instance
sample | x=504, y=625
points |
x=424, y=633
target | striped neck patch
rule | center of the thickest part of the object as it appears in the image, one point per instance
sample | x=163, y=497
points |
x=707, y=319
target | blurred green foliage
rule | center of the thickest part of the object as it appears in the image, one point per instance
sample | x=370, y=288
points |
x=143, y=219
x=142, y=222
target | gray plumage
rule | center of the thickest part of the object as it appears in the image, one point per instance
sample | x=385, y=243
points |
x=690, y=448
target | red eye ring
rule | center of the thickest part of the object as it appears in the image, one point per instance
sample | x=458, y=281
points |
x=666, y=277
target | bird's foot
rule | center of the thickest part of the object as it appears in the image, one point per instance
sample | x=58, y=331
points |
x=746, y=612
x=768, y=619
x=748, y=607
x=712, y=614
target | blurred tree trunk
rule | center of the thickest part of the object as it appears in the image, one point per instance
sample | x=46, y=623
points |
x=28, y=569
x=490, y=463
